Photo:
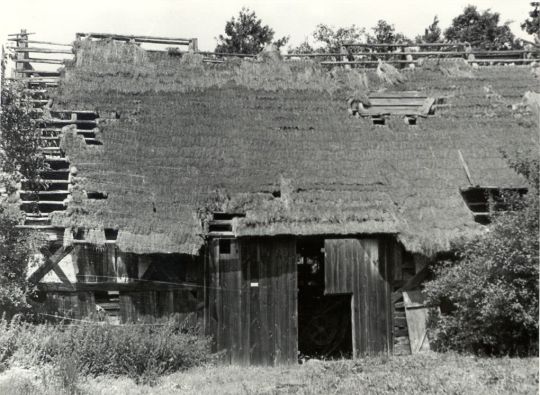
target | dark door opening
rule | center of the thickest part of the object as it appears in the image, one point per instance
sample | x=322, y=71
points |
x=324, y=321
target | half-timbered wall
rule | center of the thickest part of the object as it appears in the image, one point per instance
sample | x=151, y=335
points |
x=104, y=283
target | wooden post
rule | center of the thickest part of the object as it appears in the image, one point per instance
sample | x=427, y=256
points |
x=193, y=45
x=21, y=43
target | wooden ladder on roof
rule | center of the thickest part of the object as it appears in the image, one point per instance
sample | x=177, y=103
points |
x=54, y=194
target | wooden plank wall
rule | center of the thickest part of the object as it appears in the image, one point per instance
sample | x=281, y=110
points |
x=252, y=301
x=362, y=267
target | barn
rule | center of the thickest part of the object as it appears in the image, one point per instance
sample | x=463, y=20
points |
x=293, y=208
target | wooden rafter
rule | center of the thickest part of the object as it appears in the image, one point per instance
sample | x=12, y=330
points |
x=51, y=261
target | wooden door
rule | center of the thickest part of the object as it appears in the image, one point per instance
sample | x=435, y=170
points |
x=359, y=267
x=252, y=300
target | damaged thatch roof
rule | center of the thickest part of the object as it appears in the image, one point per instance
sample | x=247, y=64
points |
x=274, y=140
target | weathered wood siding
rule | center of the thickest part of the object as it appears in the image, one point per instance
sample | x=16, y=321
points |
x=124, y=287
x=362, y=267
x=252, y=300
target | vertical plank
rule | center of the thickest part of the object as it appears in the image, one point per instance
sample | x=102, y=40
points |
x=245, y=313
x=255, y=319
x=292, y=286
x=263, y=304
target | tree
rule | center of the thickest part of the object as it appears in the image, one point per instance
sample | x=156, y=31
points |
x=247, y=35
x=385, y=33
x=333, y=39
x=16, y=246
x=20, y=140
x=432, y=33
x=532, y=24
x=491, y=289
x=20, y=158
x=481, y=30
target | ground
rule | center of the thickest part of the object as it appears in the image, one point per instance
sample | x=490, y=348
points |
x=421, y=374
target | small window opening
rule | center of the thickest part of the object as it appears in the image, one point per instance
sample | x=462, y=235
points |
x=78, y=234
x=220, y=227
x=227, y=216
x=111, y=234
x=96, y=195
x=224, y=246
x=378, y=121
x=409, y=120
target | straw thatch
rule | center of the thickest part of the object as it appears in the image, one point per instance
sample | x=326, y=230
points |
x=274, y=140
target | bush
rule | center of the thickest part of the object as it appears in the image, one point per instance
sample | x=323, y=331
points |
x=491, y=289
x=139, y=351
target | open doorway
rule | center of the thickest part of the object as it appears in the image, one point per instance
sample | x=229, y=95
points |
x=324, y=321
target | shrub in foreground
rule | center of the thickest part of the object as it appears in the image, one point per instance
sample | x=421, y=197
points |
x=491, y=289
x=139, y=351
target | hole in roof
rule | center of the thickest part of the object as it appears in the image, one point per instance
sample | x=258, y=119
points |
x=93, y=141
x=111, y=234
x=220, y=228
x=483, y=201
x=224, y=246
x=227, y=216
x=96, y=195
x=276, y=194
x=87, y=116
x=378, y=121
x=409, y=120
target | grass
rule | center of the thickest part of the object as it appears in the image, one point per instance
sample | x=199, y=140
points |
x=420, y=374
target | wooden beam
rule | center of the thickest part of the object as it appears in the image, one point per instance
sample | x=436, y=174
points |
x=50, y=262
x=411, y=284
x=423, y=45
x=22, y=33
x=42, y=50
x=465, y=167
x=38, y=42
x=495, y=60
x=112, y=286
x=37, y=60
x=142, y=39
x=41, y=73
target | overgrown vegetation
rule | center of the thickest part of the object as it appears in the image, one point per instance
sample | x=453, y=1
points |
x=418, y=374
x=142, y=352
x=16, y=246
x=21, y=160
x=491, y=290
x=20, y=154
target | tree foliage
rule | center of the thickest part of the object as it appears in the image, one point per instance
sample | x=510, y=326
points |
x=20, y=154
x=15, y=255
x=20, y=158
x=432, y=33
x=385, y=33
x=481, y=30
x=329, y=39
x=532, y=24
x=333, y=38
x=246, y=34
x=491, y=288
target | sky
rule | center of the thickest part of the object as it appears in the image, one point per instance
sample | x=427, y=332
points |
x=59, y=20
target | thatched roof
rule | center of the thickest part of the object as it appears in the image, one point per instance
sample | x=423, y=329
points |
x=193, y=138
